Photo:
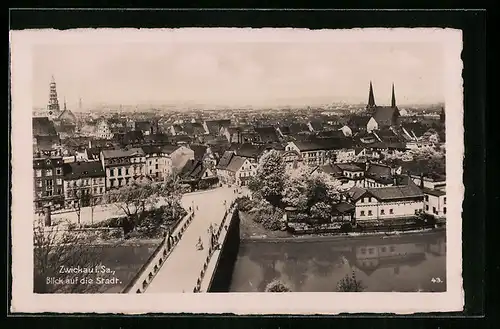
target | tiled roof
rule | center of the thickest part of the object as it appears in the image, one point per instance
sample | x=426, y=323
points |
x=169, y=148
x=121, y=153
x=317, y=125
x=199, y=151
x=296, y=128
x=378, y=170
x=236, y=163
x=248, y=150
x=267, y=134
x=150, y=149
x=215, y=125
x=384, y=115
x=356, y=192
x=358, y=121
x=331, y=169
x=76, y=170
x=225, y=160
x=343, y=207
x=433, y=192
x=349, y=167
x=193, y=169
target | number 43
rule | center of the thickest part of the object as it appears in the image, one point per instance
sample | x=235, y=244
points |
x=436, y=280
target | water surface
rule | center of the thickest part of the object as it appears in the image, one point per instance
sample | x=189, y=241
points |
x=406, y=263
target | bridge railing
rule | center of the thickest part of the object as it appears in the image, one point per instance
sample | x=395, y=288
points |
x=148, y=271
x=212, y=249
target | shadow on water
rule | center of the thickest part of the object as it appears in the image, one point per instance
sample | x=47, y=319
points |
x=406, y=263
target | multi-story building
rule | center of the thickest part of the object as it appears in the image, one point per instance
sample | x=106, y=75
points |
x=235, y=169
x=123, y=166
x=84, y=183
x=158, y=162
x=48, y=182
x=387, y=202
x=312, y=154
x=435, y=202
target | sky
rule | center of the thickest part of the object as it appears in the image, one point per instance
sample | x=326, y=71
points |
x=223, y=73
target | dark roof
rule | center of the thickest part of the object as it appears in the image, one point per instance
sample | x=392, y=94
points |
x=156, y=138
x=396, y=192
x=296, y=128
x=378, y=170
x=308, y=146
x=43, y=127
x=357, y=121
x=67, y=115
x=356, y=192
x=433, y=192
x=143, y=125
x=44, y=142
x=121, y=153
x=199, y=151
x=150, y=149
x=267, y=134
x=248, y=150
x=349, y=167
x=236, y=163
x=331, y=133
x=192, y=170
x=169, y=148
x=343, y=207
x=76, y=170
x=384, y=115
x=416, y=127
x=214, y=126
x=285, y=130
x=316, y=125
x=225, y=160
x=331, y=169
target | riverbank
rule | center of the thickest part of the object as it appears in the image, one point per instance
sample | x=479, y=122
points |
x=252, y=231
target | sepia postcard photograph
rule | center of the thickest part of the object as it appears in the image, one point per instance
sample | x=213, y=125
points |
x=245, y=171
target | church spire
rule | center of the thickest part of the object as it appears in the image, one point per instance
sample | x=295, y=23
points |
x=64, y=103
x=371, y=98
x=393, y=101
x=53, y=105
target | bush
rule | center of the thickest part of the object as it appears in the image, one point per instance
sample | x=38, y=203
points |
x=110, y=222
x=244, y=203
x=273, y=221
x=277, y=286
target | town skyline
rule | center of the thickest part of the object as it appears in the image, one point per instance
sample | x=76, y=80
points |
x=231, y=74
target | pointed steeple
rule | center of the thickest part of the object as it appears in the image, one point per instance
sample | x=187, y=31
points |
x=393, y=101
x=371, y=98
x=64, y=103
x=53, y=105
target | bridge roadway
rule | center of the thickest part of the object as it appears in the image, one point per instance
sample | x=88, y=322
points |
x=182, y=268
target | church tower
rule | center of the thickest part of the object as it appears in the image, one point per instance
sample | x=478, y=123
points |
x=53, y=108
x=371, y=99
x=393, y=100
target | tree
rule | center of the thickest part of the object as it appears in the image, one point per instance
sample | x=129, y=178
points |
x=133, y=200
x=269, y=180
x=55, y=249
x=93, y=202
x=350, y=284
x=277, y=286
x=79, y=197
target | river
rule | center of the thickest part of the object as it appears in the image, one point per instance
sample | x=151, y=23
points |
x=405, y=263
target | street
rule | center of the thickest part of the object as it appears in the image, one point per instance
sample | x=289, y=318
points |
x=103, y=212
x=182, y=269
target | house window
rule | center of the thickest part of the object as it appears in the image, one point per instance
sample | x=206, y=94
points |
x=434, y=210
x=370, y=199
x=362, y=213
x=444, y=200
x=58, y=171
x=156, y=166
x=100, y=190
x=48, y=172
x=111, y=172
x=382, y=212
x=59, y=181
x=119, y=171
x=49, y=183
x=391, y=211
x=38, y=173
x=383, y=249
x=392, y=248
x=370, y=251
x=427, y=207
x=49, y=193
x=444, y=210
x=426, y=198
x=363, y=251
x=369, y=212
x=39, y=183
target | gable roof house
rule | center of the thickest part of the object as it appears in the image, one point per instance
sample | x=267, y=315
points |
x=266, y=135
x=235, y=169
x=197, y=174
x=385, y=203
x=213, y=127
